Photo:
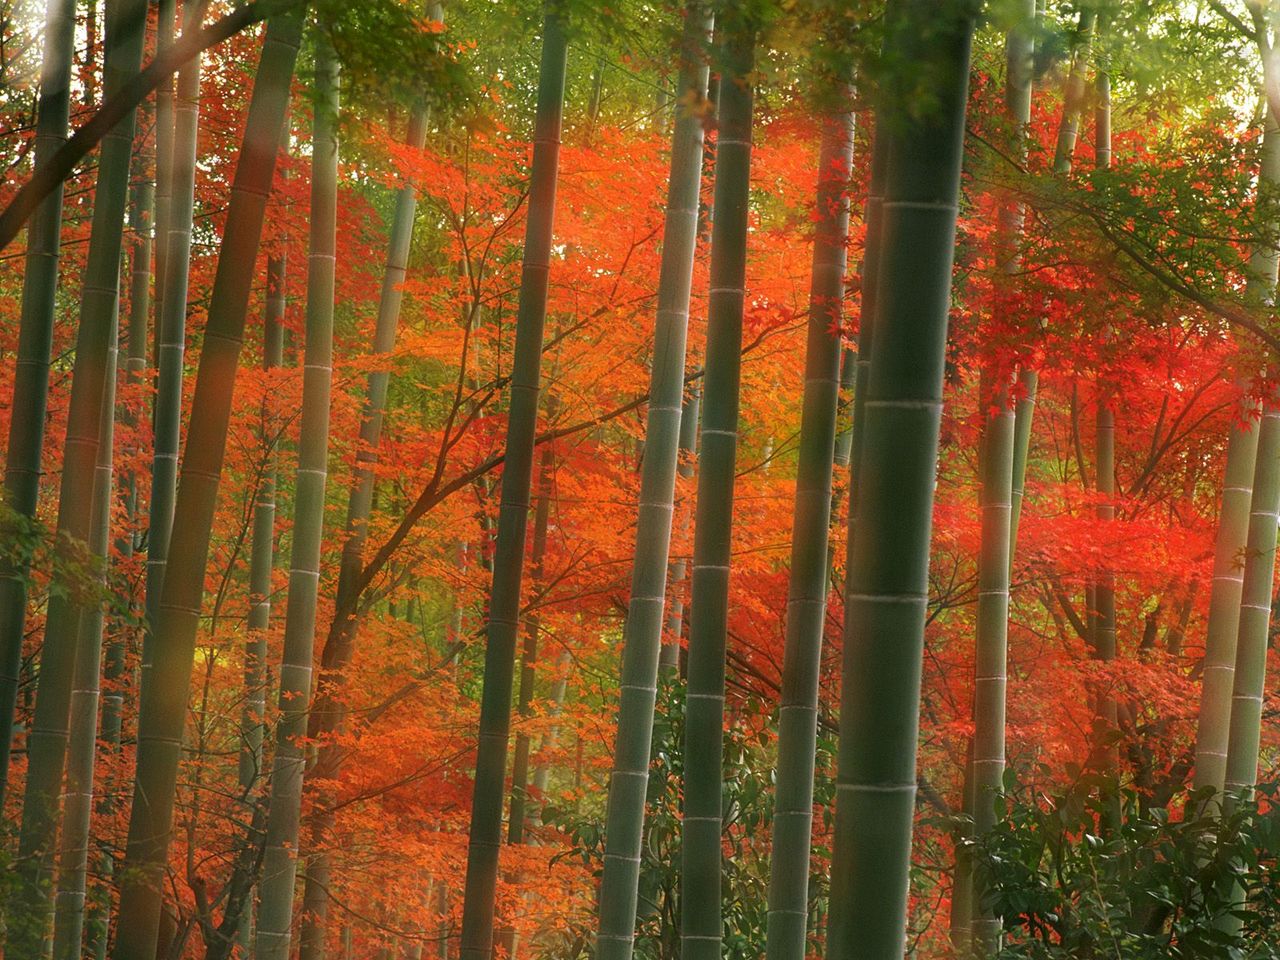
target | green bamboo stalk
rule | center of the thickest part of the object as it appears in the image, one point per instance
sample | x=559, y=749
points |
x=175, y=238
x=811, y=527
x=700, y=867
x=327, y=711
x=1249, y=679
x=22, y=469
x=889, y=559
x=844, y=414
x=165, y=694
x=47, y=742
x=1074, y=94
x=642, y=639
x=82, y=748
x=485, y=839
x=284, y=806
x=669, y=655
x=997, y=452
x=1024, y=411
x=166, y=24
x=262, y=555
x=518, y=817
x=1214, y=721
x=97, y=924
x=261, y=563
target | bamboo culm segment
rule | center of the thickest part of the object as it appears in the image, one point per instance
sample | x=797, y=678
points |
x=485, y=838
x=811, y=527
x=665, y=426
x=22, y=468
x=165, y=692
x=82, y=747
x=171, y=325
x=700, y=847
x=669, y=656
x=115, y=664
x=95, y=337
x=889, y=557
x=284, y=805
x=1214, y=722
x=1249, y=681
x=327, y=712
x=997, y=453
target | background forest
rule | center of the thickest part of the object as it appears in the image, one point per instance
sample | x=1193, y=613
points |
x=781, y=478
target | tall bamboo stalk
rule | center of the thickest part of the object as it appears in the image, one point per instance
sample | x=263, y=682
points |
x=165, y=692
x=166, y=23
x=82, y=747
x=700, y=846
x=997, y=453
x=807, y=593
x=485, y=840
x=889, y=559
x=284, y=806
x=327, y=711
x=642, y=637
x=669, y=656
x=1214, y=721
x=95, y=337
x=22, y=469
x=175, y=239
x=1249, y=679
x=97, y=923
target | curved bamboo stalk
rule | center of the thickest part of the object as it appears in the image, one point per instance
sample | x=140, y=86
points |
x=164, y=696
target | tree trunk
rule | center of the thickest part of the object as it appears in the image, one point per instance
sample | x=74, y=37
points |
x=485, y=840
x=31, y=373
x=175, y=240
x=328, y=713
x=996, y=467
x=1215, y=717
x=669, y=656
x=889, y=558
x=642, y=640
x=165, y=691
x=810, y=532
x=166, y=22
x=47, y=742
x=97, y=924
x=701, y=869
x=1249, y=680
x=280, y=863
x=82, y=747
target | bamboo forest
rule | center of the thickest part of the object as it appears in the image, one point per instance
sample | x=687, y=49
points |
x=639, y=479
